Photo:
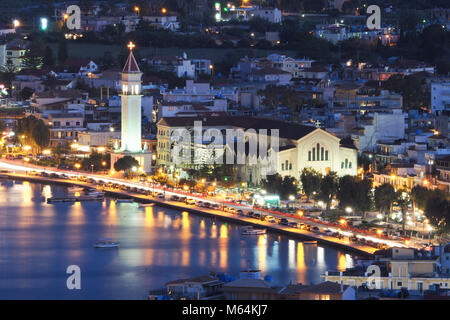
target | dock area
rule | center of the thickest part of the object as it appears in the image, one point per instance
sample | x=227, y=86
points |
x=343, y=244
x=74, y=199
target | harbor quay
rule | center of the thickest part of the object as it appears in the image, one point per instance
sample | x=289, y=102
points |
x=346, y=245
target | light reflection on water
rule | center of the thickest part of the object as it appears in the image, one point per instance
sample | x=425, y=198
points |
x=38, y=241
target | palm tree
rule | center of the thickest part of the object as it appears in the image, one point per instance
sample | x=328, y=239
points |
x=403, y=199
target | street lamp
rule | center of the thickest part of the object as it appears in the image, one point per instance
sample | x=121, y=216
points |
x=92, y=168
x=104, y=163
x=348, y=210
x=77, y=165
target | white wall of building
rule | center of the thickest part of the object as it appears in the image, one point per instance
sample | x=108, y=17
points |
x=440, y=96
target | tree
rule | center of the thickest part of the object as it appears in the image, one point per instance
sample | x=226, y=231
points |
x=288, y=187
x=33, y=132
x=50, y=82
x=49, y=59
x=272, y=95
x=34, y=55
x=363, y=199
x=95, y=161
x=26, y=93
x=61, y=149
x=346, y=191
x=107, y=60
x=126, y=164
x=328, y=188
x=384, y=197
x=62, y=51
x=403, y=200
x=272, y=183
x=310, y=180
x=415, y=93
x=41, y=134
x=7, y=74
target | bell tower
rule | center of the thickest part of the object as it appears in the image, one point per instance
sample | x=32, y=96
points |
x=131, y=135
x=131, y=104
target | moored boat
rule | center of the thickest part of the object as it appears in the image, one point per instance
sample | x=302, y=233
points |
x=106, y=243
x=124, y=200
x=249, y=230
x=75, y=189
x=142, y=205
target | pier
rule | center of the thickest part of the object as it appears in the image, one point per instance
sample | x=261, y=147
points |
x=342, y=244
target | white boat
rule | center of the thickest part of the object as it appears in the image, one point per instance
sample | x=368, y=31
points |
x=95, y=193
x=142, y=205
x=124, y=200
x=75, y=189
x=106, y=243
x=248, y=231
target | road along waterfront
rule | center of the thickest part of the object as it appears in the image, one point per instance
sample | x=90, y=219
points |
x=38, y=241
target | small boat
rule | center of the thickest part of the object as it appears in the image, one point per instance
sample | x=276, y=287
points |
x=142, y=205
x=106, y=243
x=95, y=193
x=75, y=189
x=124, y=200
x=248, y=231
x=310, y=242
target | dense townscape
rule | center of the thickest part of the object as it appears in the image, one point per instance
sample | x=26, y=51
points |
x=284, y=117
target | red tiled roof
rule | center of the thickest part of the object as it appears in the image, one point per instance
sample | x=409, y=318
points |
x=131, y=65
x=77, y=63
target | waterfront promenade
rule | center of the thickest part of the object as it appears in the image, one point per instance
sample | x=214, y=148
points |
x=344, y=244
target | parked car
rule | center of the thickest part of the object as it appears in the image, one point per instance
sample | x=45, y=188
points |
x=207, y=205
x=215, y=206
x=315, y=229
x=268, y=218
x=240, y=212
x=161, y=195
x=190, y=201
x=199, y=203
x=257, y=216
x=283, y=222
x=174, y=198
x=328, y=232
x=232, y=210
x=293, y=224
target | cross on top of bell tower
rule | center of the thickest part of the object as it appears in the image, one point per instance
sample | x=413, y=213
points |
x=131, y=46
x=131, y=65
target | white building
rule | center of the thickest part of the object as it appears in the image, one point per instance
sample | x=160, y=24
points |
x=198, y=92
x=383, y=127
x=273, y=15
x=299, y=146
x=185, y=69
x=131, y=135
x=440, y=95
x=163, y=21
